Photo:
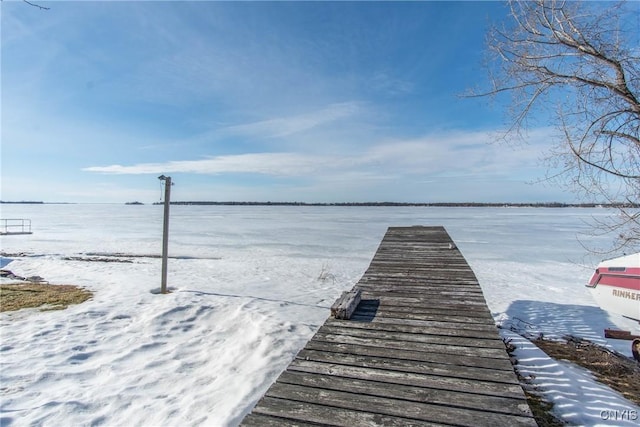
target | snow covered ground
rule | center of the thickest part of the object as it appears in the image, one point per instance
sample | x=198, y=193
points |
x=247, y=296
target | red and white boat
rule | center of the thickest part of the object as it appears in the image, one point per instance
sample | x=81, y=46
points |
x=615, y=285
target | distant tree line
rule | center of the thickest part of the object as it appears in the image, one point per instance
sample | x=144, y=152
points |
x=23, y=202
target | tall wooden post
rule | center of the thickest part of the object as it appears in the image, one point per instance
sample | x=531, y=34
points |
x=165, y=231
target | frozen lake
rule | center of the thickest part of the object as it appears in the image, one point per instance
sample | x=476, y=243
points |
x=246, y=297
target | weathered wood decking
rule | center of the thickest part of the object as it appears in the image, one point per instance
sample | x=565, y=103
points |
x=420, y=349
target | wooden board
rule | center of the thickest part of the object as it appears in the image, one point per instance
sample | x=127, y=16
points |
x=420, y=349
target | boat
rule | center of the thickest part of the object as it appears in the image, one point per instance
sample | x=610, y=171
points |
x=615, y=285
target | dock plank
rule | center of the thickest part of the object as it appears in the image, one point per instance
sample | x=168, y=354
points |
x=406, y=392
x=421, y=348
x=381, y=334
x=416, y=356
x=403, y=365
x=438, y=328
x=410, y=410
x=324, y=415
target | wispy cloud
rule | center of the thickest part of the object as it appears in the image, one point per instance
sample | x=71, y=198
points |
x=454, y=154
x=287, y=126
x=276, y=164
x=384, y=82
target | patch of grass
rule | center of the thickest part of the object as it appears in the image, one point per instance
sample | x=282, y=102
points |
x=616, y=371
x=15, y=296
x=542, y=410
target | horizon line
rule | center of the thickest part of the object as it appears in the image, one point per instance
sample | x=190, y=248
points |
x=364, y=204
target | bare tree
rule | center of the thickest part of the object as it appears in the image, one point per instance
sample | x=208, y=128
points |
x=579, y=63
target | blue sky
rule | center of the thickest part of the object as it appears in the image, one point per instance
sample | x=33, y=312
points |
x=257, y=101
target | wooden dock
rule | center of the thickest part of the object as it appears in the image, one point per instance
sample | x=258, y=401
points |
x=420, y=349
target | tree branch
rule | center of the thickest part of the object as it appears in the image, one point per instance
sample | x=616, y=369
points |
x=35, y=5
